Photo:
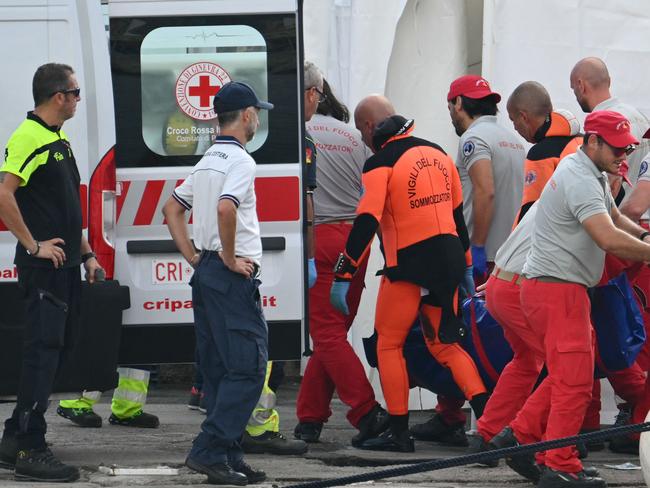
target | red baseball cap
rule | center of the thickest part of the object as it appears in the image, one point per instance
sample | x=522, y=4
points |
x=613, y=127
x=471, y=86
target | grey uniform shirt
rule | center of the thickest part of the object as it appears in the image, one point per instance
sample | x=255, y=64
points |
x=511, y=256
x=486, y=139
x=561, y=247
x=341, y=155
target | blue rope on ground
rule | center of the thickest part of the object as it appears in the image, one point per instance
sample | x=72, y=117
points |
x=481, y=457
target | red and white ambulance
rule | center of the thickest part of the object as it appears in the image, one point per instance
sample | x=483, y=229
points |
x=144, y=119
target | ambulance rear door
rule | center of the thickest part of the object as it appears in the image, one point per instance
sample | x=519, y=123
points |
x=168, y=59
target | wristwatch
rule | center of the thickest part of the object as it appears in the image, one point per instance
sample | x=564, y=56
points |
x=38, y=248
x=87, y=256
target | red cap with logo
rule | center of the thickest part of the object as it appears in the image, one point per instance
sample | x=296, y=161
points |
x=471, y=86
x=612, y=126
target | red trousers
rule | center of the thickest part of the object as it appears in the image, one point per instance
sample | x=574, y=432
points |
x=398, y=305
x=642, y=288
x=559, y=313
x=520, y=375
x=629, y=383
x=334, y=364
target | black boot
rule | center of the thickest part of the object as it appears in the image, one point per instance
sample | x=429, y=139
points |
x=397, y=438
x=437, y=430
x=41, y=465
x=478, y=403
x=477, y=445
x=558, y=479
x=371, y=425
x=524, y=464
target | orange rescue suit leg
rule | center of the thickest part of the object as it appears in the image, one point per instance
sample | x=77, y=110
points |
x=398, y=304
x=452, y=356
x=397, y=308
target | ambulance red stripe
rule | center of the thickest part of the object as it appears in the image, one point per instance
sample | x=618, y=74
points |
x=149, y=202
x=278, y=200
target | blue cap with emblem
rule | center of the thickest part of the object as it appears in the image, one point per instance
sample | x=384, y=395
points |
x=236, y=95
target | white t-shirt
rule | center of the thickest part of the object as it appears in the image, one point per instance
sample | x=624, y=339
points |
x=511, y=256
x=226, y=171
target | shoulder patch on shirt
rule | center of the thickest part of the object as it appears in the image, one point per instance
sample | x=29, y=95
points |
x=643, y=168
x=468, y=148
x=530, y=178
x=308, y=155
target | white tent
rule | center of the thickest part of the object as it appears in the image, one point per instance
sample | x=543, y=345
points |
x=411, y=50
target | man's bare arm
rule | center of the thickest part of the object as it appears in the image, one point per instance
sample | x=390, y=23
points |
x=174, y=214
x=13, y=220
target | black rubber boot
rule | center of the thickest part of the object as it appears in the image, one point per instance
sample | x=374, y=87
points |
x=559, y=479
x=397, y=438
x=524, y=464
x=141, y=419
x=437, y=430
x=308, y=431
x=477, y=445
x=371, y=425
x=83, y=417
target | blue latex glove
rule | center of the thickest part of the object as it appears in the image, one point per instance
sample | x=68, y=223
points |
x=311, y=268
x=468, y=282
x=479, y=261
x=338, y=295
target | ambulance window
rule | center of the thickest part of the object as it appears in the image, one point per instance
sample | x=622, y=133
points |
x=192, y=63
x=167, y=70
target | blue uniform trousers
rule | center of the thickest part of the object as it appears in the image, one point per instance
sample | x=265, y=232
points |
x=232, y=344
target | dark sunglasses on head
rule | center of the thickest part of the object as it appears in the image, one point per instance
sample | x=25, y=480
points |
x=74, y=91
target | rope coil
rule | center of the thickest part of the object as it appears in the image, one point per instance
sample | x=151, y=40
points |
x=481, y=457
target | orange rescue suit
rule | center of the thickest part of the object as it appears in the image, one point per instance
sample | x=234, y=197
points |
x=412, y=192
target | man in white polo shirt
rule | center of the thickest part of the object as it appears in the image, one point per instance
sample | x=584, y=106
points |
x=231, y=332
x=576, y=223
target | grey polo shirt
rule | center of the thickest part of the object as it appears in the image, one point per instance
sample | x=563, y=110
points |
x=561, y=247
x=486, y=139
x=341, y=155
x=511, y=256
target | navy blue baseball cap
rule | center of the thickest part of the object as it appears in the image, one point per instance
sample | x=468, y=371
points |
x=236, y=95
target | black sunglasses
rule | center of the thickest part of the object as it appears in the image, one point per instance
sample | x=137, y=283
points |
x=74, y=91
x=321, y=96
x=618, y=151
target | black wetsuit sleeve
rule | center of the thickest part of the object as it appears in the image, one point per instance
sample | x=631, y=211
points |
x=461, y=227
x=363, y=231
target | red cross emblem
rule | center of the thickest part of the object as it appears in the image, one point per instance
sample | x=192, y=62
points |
x=196, y=87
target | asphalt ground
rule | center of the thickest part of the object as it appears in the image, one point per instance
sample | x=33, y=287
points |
x=333, y=457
